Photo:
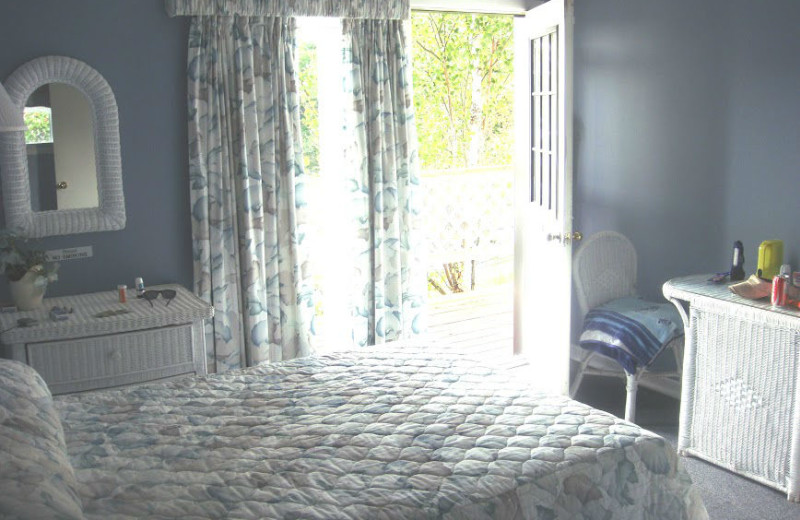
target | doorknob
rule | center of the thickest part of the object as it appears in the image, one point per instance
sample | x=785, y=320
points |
x=575, y=236
x=61, y=185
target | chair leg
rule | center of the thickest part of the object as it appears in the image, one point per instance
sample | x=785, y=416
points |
x=631, y=387
x=576, y=383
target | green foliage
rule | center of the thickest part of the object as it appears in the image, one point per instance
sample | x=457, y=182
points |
x=451, y=53
x=309, y=106
x=38, y=125
x=16, y=259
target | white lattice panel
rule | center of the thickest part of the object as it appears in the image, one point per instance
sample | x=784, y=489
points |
x=468, y=214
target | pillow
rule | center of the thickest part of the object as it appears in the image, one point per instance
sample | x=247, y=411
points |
x=630, y=330
x=36, y=477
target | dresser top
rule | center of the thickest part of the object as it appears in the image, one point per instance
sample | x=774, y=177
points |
x=689, y=288
x=184, y=308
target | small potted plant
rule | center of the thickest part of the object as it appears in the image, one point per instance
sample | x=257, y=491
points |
x=27, y=269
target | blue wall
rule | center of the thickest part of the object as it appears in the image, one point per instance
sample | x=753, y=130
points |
x=687, y=128
x=142, y=54
x=762, y=160
x=688, y=121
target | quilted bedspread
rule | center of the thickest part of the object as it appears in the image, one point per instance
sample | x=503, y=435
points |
x=371, y=434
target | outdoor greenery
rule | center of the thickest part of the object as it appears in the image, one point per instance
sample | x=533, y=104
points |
x=463, y=73
x=463, y=97
x=309, y=105
x=17, y=258
x=39, y=129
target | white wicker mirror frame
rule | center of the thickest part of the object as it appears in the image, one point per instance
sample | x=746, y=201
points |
x=110, y=213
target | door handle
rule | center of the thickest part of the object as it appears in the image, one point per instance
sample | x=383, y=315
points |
x=575, y=236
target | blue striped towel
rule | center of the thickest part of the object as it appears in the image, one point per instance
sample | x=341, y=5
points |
x=630, y=330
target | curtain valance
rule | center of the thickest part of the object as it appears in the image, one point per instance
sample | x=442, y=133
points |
x=366, y=9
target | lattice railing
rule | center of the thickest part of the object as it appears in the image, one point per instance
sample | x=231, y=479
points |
x=468, y=215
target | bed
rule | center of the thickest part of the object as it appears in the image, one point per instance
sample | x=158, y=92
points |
x=377, y=433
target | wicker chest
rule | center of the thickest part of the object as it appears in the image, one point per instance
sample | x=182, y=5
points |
x=740, y=407
x=87, y=352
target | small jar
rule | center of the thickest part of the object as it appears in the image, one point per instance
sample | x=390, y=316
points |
x=139, y=284
x=122, y=290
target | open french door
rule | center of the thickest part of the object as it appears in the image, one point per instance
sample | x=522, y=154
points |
x=543, y=208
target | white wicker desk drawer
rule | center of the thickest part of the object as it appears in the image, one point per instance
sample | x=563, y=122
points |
x=113, y=360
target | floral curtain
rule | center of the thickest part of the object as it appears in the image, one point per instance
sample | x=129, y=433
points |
x=382, y=162
x=376, y=9
x=247, y=183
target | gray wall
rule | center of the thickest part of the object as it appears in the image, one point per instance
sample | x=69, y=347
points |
x=687, y=117
x=142, y=54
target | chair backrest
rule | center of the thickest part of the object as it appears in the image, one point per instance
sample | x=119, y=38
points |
x=604, y=268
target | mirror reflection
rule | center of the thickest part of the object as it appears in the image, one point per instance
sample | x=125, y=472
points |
x=60, y=146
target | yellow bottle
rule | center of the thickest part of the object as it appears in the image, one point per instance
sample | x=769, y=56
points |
x=770, y=258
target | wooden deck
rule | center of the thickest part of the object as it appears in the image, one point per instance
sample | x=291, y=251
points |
x=479, y=324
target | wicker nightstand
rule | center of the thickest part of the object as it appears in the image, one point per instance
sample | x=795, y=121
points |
x=740, y=405
x=85, y=352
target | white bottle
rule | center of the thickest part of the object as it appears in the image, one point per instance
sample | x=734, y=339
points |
x=139, y=284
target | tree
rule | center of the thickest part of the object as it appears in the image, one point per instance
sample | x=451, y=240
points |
x=38, y=128
x=309, y=105
x=462, y=73
x=463, y=68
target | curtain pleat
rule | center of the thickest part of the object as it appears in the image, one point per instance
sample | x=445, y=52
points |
x=371, y=9
x=247, y=182
x=382, y=161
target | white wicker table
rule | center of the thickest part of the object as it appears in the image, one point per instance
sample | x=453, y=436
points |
x=740, y=405
x=85, y=352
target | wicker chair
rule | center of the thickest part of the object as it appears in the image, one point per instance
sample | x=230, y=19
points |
x=604, y=269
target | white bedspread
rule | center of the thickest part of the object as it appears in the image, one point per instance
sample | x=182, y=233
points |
x=361, y=435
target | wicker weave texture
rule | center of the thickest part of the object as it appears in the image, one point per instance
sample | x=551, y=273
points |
x=744, y=394
x=185, y=308
x=110, y=213
x=118, y=359
x=86, y=352
x=740, y=404
x=604, y=269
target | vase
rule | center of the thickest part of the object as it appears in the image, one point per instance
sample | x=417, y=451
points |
x=26, y=295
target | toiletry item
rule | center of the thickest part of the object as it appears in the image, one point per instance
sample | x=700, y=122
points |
x=770, y=258
x=792, y=292
x=737, y=265
x=27, y=322
x=123, y=293
x=719, y=277
x=139, y=284
x=60, y=313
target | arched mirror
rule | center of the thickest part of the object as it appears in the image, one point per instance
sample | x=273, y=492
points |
x=63, y=174
x=63, y=171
